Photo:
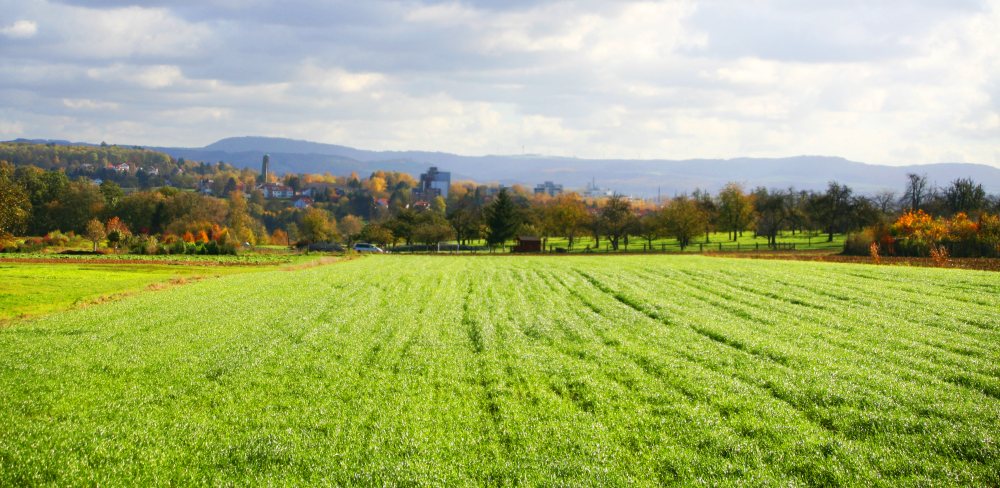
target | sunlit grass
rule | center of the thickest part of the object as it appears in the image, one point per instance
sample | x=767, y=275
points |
x=497, y=370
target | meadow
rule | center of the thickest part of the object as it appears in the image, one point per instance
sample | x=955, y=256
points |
x=500, y=370
x=38, y=283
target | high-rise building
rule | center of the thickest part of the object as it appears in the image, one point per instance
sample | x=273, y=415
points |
x=548, y=188
x=432, y=184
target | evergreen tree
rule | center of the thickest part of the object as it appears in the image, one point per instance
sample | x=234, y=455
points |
x=501, y=219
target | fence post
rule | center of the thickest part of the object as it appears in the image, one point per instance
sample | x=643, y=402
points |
x=701, y=247
x=737, y=246
x=756, y=246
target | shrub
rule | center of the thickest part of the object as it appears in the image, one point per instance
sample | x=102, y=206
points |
x=56, y=238
x=31, y=244
x=940, y=255
x=143, y=244
x=858, y=244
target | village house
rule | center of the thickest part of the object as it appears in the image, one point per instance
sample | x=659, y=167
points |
x=276, y=190
x=302, y=202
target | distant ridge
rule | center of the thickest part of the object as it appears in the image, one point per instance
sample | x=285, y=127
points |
x=635, y=177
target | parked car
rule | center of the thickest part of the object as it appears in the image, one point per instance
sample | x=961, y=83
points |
x=365, y=247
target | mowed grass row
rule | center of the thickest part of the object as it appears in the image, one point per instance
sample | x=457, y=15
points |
x=501, y=370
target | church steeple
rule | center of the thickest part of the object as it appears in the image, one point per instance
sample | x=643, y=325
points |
x=264, y=168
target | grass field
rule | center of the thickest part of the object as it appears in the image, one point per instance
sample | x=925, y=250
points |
x=63, y=281
x=501, y=370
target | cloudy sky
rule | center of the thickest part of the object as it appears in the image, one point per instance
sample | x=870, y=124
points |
x=907, y=81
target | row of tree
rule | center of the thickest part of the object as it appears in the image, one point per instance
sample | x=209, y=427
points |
x=381, y=209
x=473, y=213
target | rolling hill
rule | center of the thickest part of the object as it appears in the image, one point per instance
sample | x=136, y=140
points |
x=643, y=177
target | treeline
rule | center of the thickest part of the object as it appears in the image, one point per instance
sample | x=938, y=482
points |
x=216, y=203
x=475, y=212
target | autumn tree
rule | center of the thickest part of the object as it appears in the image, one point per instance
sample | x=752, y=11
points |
x=15, y=207
x=709, y=209
x=350, y=226
x=278, y=237
x=439, y=205
x=565, y=216
x=95, y=232
x=80, y=202
x=617, y=219
x=377, y=234
x=650, y=227
x=402, y=225
x=432, y=228
x=467, y=220
x=683, y=220
x=317, y=226
x=116, y=231
x=735, y=210
x=238, y=219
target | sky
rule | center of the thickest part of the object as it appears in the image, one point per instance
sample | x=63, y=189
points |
x=889, y=82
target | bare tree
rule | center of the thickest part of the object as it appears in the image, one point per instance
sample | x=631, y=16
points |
x=884, y=201
x=917, y=190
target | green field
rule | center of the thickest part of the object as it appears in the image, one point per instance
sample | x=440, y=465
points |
x=600, y=370
x=65, y=281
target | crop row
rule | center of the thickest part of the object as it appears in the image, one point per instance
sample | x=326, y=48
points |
x=495, y=370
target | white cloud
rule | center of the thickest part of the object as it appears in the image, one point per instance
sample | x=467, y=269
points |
x=674, y=79
x=88, y=104
x=151, y=77
x=21, y=29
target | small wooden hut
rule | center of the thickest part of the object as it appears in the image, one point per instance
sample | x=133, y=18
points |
x=528, y=244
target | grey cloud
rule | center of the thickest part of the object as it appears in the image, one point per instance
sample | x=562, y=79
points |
x=569, y=77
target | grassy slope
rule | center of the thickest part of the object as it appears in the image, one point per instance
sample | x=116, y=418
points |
x=607, y=370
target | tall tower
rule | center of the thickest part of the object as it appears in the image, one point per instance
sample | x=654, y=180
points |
x=264, y=167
